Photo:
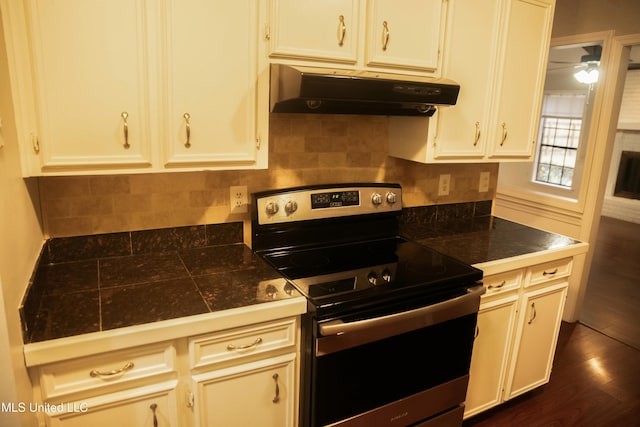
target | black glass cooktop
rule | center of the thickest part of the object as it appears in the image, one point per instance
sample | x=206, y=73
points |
x=378, y=268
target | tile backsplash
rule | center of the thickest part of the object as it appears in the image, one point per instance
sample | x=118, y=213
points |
x=303, y=149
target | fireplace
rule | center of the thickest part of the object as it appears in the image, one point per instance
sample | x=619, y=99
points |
x=628, y=179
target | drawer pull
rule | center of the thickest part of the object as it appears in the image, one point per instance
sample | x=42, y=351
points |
x=96, y=373
x=504, y=282
x=550, y=273
x=232, y=347
x=276, y=398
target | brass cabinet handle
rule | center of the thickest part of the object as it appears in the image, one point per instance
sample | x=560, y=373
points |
x=187, y=116
x=504, y=282
x=153, y=408
x=477, y=136
x=534, y=313
x=232, y=347
x=125, y=127
x=504, y=133
x=549, y=273
x=342, y=30
x=276, y=398
x=385, y=35
x=95, y=373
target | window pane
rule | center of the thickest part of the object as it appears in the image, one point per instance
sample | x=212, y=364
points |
x=555, y=174
x=567, y=177
x=557, y=158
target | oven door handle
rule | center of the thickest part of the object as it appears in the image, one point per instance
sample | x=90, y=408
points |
x=412, y=319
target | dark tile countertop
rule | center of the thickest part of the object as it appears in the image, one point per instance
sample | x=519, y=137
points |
x=97, y=283
x=479, y=237
x=104, y=282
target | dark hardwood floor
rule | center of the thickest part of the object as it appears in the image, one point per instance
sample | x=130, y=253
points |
x=612, y=299
x=595, y=382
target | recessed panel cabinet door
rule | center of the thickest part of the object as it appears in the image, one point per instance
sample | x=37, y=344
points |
x=89, y=62
x=490, y=355
x=143, y=407
x=540, y=317
x=405, y=35
x=522, y=77
x=214, y=74
x=326, y=30
x=463, y=129
x=261, y=394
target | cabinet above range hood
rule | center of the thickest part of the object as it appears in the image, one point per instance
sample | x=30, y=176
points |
x=297, y=89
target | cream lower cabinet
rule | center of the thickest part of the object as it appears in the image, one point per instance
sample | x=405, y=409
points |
x=540, y=317
x=496, y=321
x=133, y=86
x=254, y=394
x=245, y=376
x=232, y=386
x=126, y=387
x=518, y=325
x=145, y=407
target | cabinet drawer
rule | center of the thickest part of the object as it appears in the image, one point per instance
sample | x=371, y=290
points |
x=503, y=282
x=549, y=271
x=105, y=370
x=241, y=342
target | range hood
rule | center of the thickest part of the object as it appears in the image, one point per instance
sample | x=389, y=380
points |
x=297, y=89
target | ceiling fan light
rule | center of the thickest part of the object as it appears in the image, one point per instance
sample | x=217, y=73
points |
x=587, y=76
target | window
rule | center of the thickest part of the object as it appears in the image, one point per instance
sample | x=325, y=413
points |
x=559, y=138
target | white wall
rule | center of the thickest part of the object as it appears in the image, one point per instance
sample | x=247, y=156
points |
x=21, y=240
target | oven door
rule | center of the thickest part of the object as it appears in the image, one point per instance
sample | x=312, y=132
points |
x=397, y=369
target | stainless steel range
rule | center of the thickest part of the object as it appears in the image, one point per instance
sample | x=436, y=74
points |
x=389, y=331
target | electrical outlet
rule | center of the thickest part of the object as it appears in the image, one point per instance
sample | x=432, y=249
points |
x=483, y=186
x=238, y=201
x=444, y=185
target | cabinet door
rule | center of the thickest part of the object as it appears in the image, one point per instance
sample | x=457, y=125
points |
x=540, y=317
x=255, y=394
x=325, y=30
x=408, y=36
x=217, y=89
x=136, y=407
x=470, y=60
x=490, y=355
x=525, y=45
x=89, y=64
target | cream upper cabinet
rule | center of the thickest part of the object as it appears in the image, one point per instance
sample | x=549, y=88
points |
x=213, y=68
x=91, y=86
x=404, y=36
x=497, y=51
x=371, y=34
x=326, y=30
x=173, y=86
x=524, y=48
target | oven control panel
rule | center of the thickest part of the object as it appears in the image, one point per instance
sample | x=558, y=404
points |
x=323, y=202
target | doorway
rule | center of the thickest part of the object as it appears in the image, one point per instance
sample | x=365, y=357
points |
x=612, y=296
